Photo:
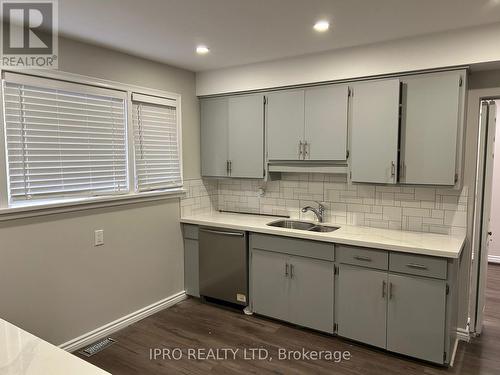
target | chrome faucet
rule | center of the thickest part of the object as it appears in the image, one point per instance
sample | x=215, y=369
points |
x=319, y=212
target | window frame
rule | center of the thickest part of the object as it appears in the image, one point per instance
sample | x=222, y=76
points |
x=68, y=203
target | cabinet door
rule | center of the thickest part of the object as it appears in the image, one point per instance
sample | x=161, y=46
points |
x=374, y=132
x=429, y=129
x=326, y=122
x=311, y=293
x=269, y=292
x=246, y=136
x=362, y=305
x=285, y=124
x=416, y=317
x=191, y=267
x=214, y=142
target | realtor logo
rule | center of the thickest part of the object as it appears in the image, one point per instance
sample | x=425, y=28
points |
x=29, y=34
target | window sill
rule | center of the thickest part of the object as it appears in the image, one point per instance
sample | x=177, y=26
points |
x=79, y=204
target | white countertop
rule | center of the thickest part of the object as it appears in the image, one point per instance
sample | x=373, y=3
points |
x=23, y=353
x=449, y=246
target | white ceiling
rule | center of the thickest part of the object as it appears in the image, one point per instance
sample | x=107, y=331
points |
x=246, y=31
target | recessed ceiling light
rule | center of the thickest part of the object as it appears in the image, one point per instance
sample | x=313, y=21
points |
x=321, y=26
x=202, y=50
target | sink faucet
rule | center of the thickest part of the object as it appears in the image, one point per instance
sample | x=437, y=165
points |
x=319, y=212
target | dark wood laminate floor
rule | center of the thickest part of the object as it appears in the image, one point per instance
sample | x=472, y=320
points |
x=191, y=324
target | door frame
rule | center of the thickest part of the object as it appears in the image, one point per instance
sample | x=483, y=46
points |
x=476, y=292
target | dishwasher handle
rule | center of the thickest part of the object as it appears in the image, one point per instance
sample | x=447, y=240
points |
x=235, y=234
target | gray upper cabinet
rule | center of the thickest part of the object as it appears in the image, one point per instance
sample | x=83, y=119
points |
x=429, y=128
x=325, y=132
x=416, y=317
x=232, y=136
x=374, y=132
x=285, y=125
x=362, y=304
x=246, y=136
x=311, y=293
x=214, y=138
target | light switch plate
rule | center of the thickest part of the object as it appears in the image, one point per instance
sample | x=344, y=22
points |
x=99, y=237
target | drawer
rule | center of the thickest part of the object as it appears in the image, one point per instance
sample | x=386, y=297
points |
x=365, y=257
x=190, y=231
x=420, y=265
x=293, y=246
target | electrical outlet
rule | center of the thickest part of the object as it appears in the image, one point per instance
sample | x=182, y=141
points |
x=99, y=237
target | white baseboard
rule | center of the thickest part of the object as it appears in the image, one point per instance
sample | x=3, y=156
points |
x=494, y=258
x=108, y=329
x=463, y=334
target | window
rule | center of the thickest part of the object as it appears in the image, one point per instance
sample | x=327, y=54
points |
x=63, y=139
x=156, y=141
x=80, y=139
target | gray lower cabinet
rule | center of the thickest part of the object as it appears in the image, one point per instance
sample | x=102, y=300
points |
x=270, y=287
x=191, y=260
x=362, y=304
x=312, y=293
x=416, y=317
x=292, y=288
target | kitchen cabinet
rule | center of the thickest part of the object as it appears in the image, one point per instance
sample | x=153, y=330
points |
x=308, y=124
x=291, y=287
x=285, y=125
x=375, y=131
x=416, y=317
x=214, y=137
x=270, y=290
x=232, y=136
x=311, y=293
x=362, y=307
x=246, y=136
x=430, y=128
x=325, y=127
x=191, y=260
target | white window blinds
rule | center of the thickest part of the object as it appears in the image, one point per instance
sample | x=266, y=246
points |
x=156, y=143
x=63, y=138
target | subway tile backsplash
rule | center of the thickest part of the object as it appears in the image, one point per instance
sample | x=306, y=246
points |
x=423, y=209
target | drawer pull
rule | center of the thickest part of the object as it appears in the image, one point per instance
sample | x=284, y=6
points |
x=362, y=258
x=417, y=266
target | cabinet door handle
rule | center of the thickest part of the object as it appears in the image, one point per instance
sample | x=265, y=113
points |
x=307, y=147
x=393, y=169
x=300, y=149
x=227, y=167
x=291, y=271
x=417, y=266
x=363, y=258
x=390, y=290
x=383, y=288
x=286, y=269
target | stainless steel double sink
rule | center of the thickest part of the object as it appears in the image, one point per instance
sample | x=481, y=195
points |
x=302, y=225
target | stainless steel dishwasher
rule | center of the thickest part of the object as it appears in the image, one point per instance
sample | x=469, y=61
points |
x=224, y=265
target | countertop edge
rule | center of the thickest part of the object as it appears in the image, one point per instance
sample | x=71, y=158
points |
x=325, y=238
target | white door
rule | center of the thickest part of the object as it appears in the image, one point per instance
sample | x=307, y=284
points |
x=488, y=116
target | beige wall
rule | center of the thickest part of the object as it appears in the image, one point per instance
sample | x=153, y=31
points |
x=53, y=281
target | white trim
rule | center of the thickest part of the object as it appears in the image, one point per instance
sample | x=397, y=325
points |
x=454, y=352
x=80, y=204
x=463, y=334
x=493, y=258
x=110, y=328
